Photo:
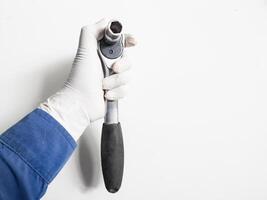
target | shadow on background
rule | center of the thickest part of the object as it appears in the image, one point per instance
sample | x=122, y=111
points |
x=88, y=150
x=54, y=77
x=89, y=158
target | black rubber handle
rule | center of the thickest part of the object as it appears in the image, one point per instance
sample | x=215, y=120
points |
x=112, y=156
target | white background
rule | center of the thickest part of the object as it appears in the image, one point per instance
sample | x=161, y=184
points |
x=195, y=119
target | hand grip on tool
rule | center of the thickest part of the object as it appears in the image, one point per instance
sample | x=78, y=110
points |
x=110, y=49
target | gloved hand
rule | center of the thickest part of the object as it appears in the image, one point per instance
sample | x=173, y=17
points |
x=81, y=100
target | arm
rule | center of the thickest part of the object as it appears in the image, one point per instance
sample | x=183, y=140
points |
x=35, y=149
x=32, y=152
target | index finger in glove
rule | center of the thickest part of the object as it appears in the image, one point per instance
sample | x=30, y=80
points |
x=129, y=40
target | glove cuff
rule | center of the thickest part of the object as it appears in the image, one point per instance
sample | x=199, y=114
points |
x=67, y=106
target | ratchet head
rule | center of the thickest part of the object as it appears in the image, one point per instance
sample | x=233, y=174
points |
x=111, y=45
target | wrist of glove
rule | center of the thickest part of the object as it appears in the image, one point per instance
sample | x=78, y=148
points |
x=81, y=100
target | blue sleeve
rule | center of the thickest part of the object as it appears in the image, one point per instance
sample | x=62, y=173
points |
x=32, y=152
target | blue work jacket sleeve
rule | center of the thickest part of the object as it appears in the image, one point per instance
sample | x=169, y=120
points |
x=32, y=152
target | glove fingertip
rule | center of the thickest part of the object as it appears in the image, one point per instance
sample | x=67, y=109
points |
x=130, y=40
x=122, y=65
x=110, y=96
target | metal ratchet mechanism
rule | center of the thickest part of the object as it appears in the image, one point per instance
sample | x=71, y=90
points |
x=110, y=49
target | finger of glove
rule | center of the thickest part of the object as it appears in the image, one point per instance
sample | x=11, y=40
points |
x=115, y=80
x=122, y=64
x=91, y=33
x=116, y=93
x=129, y=40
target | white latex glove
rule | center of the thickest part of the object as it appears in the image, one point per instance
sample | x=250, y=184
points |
x=81, y=100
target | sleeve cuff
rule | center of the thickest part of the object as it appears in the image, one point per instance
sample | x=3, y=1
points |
x=42, y=142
